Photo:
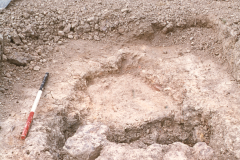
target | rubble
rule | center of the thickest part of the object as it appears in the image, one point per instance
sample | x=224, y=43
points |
x=36, y=68
x=87, y=142
x=16, y=39
x=19, y=58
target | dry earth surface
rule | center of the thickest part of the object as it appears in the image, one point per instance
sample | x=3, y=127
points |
x=155, y=79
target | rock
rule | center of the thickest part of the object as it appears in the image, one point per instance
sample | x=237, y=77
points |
x=121, y=30
x=1, y=39
x=90, y=19
x=90, y=37
x=86, y=28
x=87, y=142
x=144, y=29
x=4, y=57
x=67, y=28
x=178, y=151
x=101, y=35
x=70, y=36
x=96, y=38
x=45, y=39
x=60, y=33
x=60, y=42
x=35, y=145
x=202, y=151
x=21, y=36
x=26, y=15
x=96, y=26
x=56, y=38
x=2, y=90
x=36, y=68
x=75, y=24
x=168, y=28
x=29, y=31
x=103, y=26
x=16, y=39
x=24, y=41
x=19, y=58
x=125, y=10
x=8, y=75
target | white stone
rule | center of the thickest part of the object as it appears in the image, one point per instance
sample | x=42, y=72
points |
x=87, y=142
x=60, y=33
x=70, y=36
x=36, y=68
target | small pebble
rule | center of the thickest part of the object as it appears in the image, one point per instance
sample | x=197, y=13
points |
x=2, y=90
x=70, y=36
x=165, y=52
x=8, y=75
x=36, y=68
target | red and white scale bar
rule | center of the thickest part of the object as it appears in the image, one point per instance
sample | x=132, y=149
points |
x=34, y=107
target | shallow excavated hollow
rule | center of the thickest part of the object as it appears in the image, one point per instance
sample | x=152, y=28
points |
x=140, y=107
x=141, y=114
x=159, y=94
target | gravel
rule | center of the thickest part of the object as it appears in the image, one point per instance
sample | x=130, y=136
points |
x=30, y=30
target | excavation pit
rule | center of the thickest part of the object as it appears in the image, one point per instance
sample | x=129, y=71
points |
x=140, y=96
x=141, y=108
x=126, y=100
x=128, y=79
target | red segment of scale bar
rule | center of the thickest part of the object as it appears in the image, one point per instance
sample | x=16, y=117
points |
x=27, y=126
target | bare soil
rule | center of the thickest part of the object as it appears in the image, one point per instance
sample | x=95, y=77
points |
x=151, y=86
